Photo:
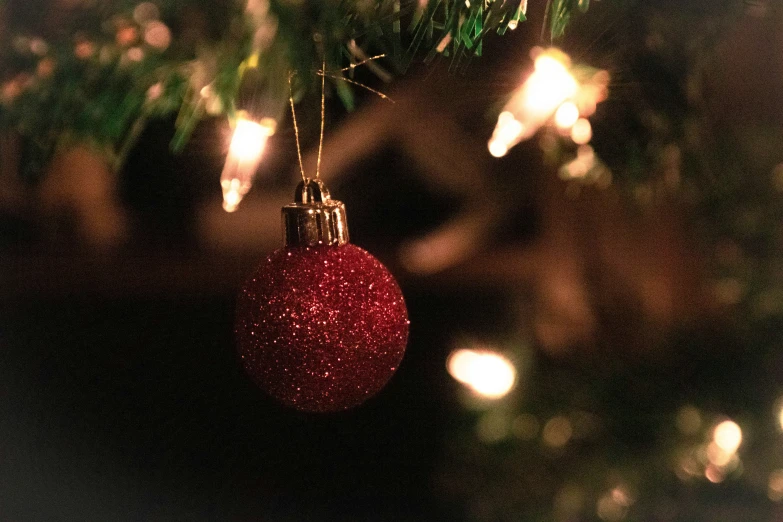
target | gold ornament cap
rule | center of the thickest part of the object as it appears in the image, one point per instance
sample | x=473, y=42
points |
x=314, y=218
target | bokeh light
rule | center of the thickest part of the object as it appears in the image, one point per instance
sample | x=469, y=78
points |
x=727, y=436
x=582, y=131
x=718, y=456
x=607, y=508
x=775, y=486
x=145, y=12
x=135, y=54
x=487, y=373
x=780, y=414
x=157, y=35
x=714, y=474
x=557, y=432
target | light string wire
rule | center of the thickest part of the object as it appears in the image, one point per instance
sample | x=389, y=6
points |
x=357, y=64
x=353, y=82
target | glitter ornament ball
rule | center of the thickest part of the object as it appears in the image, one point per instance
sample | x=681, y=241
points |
x=321, y=325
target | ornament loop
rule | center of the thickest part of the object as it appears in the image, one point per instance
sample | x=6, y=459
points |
x=314, y=218
x=314, y=191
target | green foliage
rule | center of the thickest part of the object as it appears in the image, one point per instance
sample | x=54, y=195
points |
x=95, y=71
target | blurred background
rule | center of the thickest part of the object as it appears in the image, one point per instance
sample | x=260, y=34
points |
x=596, y=298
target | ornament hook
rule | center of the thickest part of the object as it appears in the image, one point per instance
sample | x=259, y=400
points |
x=311, y=191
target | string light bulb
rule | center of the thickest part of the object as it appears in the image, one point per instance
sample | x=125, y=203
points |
x=244, y=154
x=556, y=93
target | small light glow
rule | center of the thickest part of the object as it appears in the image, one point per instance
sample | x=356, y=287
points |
x=714, y=474
x=582, y=131
x=608, y=509
x=135, y=54
x=244, y=154
x=557, y=432
x=775, y=486
x=718, y=456
x=443, y=43
x=489, y=374
x=145, y=11
x=84, y=49
x=727, y=436
x=622, y=496
x=566, y=115
x=688, y=467
x=38, y=47
x=777, y=177
x=158, y=35
x=154, y=92
x=581, y=166
x=780, y=417
x=127, y=36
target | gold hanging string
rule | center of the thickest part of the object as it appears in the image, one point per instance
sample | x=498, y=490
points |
x=323, y=74
x=323, y=119
x=351, y=67
x=296, y=128
x=355, y=65
x=353, y=82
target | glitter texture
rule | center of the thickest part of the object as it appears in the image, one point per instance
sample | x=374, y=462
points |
x=321, y=328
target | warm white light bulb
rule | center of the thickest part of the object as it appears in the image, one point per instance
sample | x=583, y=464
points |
x=487, y=373
x=244, y=154
x=550, y=87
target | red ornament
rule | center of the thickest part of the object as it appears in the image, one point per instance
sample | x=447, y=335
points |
x=321, y=325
